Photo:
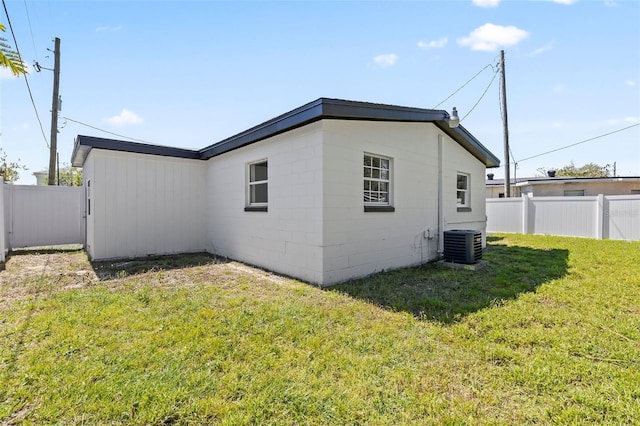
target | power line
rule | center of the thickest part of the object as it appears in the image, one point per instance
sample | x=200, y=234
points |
x=481, y=96
x=106, y=131
x=461, y=87
x=25, y=75
x=578, y=143
x=33, y=40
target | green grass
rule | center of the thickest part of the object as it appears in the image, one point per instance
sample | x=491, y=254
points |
x=548, y=333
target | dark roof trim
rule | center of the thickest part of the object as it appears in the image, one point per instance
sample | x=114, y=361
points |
x=84, y=144
x=323, y=108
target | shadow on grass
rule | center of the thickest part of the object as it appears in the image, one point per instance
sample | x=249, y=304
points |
x=114, y=269
x=436, y=293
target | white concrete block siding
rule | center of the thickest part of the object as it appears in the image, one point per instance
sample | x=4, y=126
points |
x=159, y=200
x=288, y=237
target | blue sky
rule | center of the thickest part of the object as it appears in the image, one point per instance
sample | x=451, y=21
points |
x=191, y=73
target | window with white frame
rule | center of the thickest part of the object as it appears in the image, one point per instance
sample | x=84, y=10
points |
x=462, y=190
x=574, y=193
x=377, y=180
x=258, y=184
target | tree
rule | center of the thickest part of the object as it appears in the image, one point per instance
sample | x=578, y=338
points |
x=9, y=171
x=588, y=170
x=10, y=58
x=70, y=176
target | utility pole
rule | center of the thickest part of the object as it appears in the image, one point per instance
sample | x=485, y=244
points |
x=505, y=126
x=54, y=114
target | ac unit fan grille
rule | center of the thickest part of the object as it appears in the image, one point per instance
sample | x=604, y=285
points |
x=462, y=246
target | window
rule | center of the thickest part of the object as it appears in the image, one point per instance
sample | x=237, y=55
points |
x=258, y=185
x=635, y=191
x=377, y=183
x=462, y=192
x=574, y=193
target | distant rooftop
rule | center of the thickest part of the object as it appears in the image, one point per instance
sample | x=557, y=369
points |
x=522, y=181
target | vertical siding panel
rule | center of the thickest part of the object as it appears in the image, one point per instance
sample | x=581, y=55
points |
x=45, y=215
x=147, y=202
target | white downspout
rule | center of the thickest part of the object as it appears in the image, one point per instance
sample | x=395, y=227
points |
x=440, y=204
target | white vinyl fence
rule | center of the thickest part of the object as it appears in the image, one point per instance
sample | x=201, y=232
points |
x=615, y=217
x=40, y=216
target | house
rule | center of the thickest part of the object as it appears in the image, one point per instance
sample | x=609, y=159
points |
x=329, y=191
x=559, y=186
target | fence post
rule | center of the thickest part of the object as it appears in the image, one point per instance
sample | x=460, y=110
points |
x=600, y=217
x=525, y=213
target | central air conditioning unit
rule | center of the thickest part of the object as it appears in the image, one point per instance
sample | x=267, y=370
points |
x=462, y=246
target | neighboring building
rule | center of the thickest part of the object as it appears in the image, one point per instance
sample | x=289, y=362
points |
x=564, y=186
x=327, y=192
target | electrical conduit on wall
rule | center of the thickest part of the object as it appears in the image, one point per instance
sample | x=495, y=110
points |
x=440, y=205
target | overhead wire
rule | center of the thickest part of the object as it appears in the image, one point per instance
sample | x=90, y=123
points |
x=33, y=40
x=26, y=80
x=495, y=73
x=461, y=87
x=578, y=143
x=106, y=131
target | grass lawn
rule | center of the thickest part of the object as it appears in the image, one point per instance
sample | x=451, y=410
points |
x=548, y=333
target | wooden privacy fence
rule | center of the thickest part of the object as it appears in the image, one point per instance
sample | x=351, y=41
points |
x=40, y=216
x=615, y=217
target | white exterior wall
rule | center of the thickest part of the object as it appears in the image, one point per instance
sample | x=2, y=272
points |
x=357, y=243
x=88, y=182
x=288, y=237
x=457, y=159
x=144, y=204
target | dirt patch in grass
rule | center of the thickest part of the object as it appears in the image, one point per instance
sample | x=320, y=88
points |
x=30, y=273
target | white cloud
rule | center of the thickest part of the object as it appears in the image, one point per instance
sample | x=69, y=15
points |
x=386, y=61
x=542, y=49
x=125, y=117
x=567, y=2
x=433, y=44
x=6, y=74
x=631, y=83
x=610, y=3
x=624, y=120
x=490, y=37
x=110, y=29
x=486, y=3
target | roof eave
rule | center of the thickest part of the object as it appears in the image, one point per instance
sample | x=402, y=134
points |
x=322, y=108
x=84, y=144
x=327, y=108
